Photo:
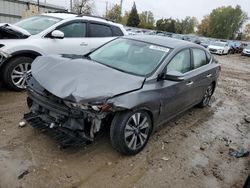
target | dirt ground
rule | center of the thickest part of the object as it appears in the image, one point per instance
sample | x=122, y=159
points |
x=191, y=151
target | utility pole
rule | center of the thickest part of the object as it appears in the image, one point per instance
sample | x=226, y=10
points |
x=106, y=8
x=71, y=5
x=121, y=6
x=38, y=4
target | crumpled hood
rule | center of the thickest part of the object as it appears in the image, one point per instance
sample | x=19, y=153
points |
x=9, y=31
x=82, y=80
x=216, y=47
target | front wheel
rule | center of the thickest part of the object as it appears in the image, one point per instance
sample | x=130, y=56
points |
x=207, y=96
x=130, y=131
x=15, y=72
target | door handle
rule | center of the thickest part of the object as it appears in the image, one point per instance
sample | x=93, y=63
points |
x=209, y=75
x=83, y=44
x=190, y=83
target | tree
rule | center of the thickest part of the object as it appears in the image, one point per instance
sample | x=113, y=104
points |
x=133, y=19
x=114, y=13
x=204, y=26
x=125, y=18
x=83, y=6
x=168, y=25
x=147, y=20
x=225, y=22
x=246, y=34
x=187, y=25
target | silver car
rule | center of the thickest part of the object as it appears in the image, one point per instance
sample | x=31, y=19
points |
x=133, y=84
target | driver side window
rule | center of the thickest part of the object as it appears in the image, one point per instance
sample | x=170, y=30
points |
x=181, y=62
x=74, y=30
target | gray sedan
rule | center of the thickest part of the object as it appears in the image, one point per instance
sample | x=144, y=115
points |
x=132, y=84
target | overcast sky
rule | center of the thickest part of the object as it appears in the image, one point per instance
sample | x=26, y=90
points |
x=167, y=8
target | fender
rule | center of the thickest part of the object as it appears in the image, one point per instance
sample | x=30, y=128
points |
x=29, y=53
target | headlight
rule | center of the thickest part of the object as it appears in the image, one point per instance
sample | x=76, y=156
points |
x=95, y=107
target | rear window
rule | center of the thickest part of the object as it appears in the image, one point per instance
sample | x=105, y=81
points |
x=99, y=30
x=200, y=58
x=117, y=31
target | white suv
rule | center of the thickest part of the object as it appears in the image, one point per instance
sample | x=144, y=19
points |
x=50, y=33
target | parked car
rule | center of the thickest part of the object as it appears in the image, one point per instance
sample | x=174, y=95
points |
x=50, y=33
x=246, y=51
x=220, y=48
x=134, y=83
x=204, y=42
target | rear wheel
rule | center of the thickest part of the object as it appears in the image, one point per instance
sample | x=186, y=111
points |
x=207, y=96
x=15, y=72
x=130, y=131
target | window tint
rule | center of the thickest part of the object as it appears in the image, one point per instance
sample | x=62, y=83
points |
x=117, y=31
x=200, y=58
x=180, y=62
x=98, y=30
x=74, y=30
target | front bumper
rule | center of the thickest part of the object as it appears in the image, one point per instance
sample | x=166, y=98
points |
x=49, y=114
x=215, y=51
x=245, y=53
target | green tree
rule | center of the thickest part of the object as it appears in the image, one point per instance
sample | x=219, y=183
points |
x=133, y=19
x=83, y=6
x=187, y=25
x=147, y=20
x=225, y=22
x=168, y=25
x=204, y=26
x=125, y=18
x=114, y=13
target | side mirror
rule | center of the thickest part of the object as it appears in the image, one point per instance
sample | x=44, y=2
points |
x=57, y=34
x=173, y=76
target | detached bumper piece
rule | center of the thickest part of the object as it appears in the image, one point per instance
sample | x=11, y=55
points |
x=65, y=136
x=48, y=114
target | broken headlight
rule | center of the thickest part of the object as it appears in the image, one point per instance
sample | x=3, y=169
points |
x=96, y=107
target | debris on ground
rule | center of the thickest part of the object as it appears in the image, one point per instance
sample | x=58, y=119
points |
x=165, y=159
x=24, y=173
x=22, y=124
x=239, y=153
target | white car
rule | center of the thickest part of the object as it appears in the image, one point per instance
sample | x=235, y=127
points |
x=50, y=33
x=220, y=48
x=246, y=51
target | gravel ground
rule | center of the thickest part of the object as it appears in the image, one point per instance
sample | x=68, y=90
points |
x=190, y=151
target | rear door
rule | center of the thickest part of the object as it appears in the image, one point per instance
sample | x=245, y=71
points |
x=99, y=34
x=203, y=73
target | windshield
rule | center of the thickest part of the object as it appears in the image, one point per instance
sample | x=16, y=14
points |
x=37, y=24
x=218, y=44
x=248, y=47
x=130, y=56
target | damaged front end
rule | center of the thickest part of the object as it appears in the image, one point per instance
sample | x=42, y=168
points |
x=70, y=123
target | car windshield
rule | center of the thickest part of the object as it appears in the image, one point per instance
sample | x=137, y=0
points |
x=37, y=24
x=248, y=47
x=130, y=56
x=218, y=44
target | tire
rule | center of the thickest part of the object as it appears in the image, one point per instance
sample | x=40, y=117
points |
x=126, y=137
x=21, y=66
x=207, y=96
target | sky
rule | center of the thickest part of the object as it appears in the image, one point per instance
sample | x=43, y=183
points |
x=166, y=8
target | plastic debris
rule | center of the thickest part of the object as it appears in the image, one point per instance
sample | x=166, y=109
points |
x=165, y=158
x=239, y=153
x=22, y=123
x=23, y=174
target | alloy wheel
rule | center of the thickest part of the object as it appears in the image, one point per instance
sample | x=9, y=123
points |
x=19, y=75
x=137, y=131
x=208, y=95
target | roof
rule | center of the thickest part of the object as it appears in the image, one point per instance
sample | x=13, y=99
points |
x=60, y=15
x=162, y=41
